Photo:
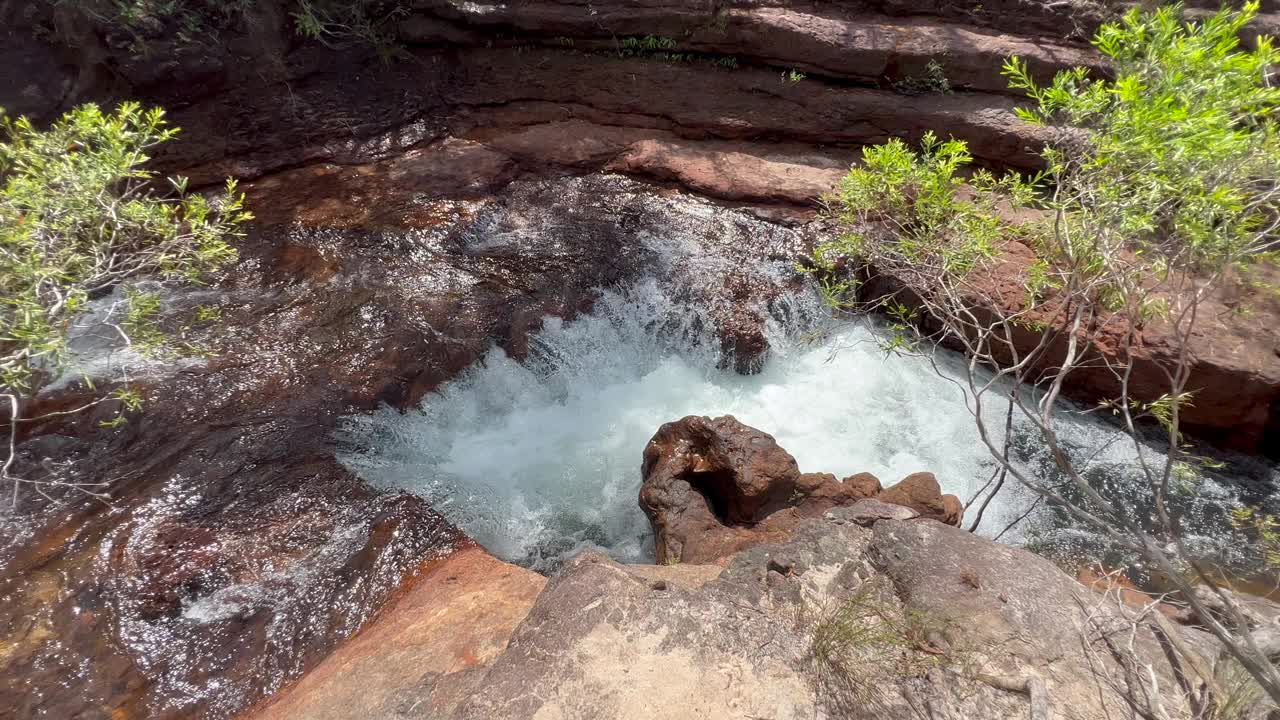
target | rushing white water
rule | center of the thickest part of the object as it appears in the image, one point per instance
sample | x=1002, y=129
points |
x=535, y=460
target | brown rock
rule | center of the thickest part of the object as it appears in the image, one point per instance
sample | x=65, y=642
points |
x=810, y=483
x=734, y=171
x=954, y=510
x=569, y=143
x=921, y=492
x=616, y=642
x=182, y=560
x=1019, y=602
x=868, y=485
x=823, y=491
x=423, y=648
x=740, y=470
x=702, y=476
x=1234, y=352
x=741, y=326
x=714, y=487
x=380, y=195
x=869, y=512
x=866, y=43
x=729, y=108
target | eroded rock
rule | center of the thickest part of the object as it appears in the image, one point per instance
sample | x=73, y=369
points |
x=741, y=471
x=713, y=486
x=706, y=478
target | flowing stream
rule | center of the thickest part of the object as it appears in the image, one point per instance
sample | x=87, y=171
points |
x=536, y=460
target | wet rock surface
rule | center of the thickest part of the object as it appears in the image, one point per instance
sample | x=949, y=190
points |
x=1233, y=352
x=545, y=86
x=714, y=486
x=235, y=552
x=261, y=99
x=426, y=649
x=418, y=216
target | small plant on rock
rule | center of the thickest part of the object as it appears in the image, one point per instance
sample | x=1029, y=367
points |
x=342, y=22
x=862, y=648
x=647, y=45
x=933, y=82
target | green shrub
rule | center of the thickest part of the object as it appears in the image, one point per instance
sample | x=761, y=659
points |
x=933, y=82
x=189, y=23
x=1160, y=183
x=80, y=216
x=1182, y=150
x=341, y=22
x=907, y=207
x=196, y=23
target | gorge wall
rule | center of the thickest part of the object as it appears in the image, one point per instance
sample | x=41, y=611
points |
x=553, y=88
x=370, y=277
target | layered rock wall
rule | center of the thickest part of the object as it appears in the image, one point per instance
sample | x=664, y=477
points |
x=553, y=87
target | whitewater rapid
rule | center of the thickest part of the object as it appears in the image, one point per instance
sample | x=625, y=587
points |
x=536, y=460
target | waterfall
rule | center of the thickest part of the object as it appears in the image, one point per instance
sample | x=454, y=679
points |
x=540, y=458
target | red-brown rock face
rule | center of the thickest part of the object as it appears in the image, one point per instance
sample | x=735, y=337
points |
x=1233, y=352
x=424, y=649
x=921, y=492
x=714, y=486
x=705, y=479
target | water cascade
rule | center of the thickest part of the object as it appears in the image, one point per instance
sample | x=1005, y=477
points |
x=538, y=459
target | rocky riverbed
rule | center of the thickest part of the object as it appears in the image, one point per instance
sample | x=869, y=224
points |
x=235, y=550
x=411, y=217
x=828, y=604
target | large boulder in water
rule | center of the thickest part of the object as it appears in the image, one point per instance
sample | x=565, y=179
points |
x=714, y=486
x=705, y=478
x=744, y=344
x=739, y=470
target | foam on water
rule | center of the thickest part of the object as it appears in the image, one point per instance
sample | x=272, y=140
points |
x=537, y=459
